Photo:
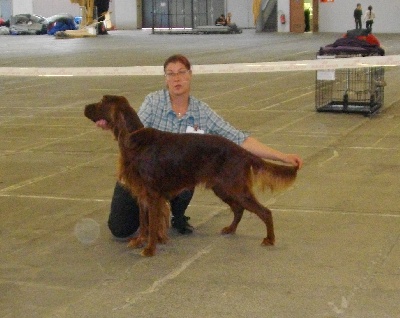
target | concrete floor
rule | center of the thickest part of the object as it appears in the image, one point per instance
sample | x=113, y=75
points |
x=338, y=228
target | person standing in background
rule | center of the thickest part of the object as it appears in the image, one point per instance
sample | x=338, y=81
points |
x=369, y=18
x=307, y=13
x=357, y=15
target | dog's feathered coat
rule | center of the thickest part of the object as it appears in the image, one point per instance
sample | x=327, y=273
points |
x=156, y=166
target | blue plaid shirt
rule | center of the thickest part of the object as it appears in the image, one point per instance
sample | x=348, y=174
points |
x=156, y=112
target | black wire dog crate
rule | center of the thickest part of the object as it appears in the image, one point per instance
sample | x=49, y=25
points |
x=351, y=90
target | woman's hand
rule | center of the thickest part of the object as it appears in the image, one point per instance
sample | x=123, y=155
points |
x=259, y=149
x=293, y=160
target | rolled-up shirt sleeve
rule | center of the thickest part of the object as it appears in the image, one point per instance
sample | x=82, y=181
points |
x=218, y=126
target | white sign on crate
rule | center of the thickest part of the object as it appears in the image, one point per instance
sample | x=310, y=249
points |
x=326, y=75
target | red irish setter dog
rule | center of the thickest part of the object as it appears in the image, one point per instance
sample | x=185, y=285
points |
x=156, y=166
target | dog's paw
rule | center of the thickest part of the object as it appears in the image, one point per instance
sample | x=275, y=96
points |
x=268, y=242
x=148, y=251
x=136, y=242
x=228, y=230
x=162, y=239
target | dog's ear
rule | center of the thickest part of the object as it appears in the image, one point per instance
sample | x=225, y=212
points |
x=132, y=120
x=118, y=122
x=124, y=119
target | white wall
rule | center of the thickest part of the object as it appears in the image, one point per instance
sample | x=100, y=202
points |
x=21, y=6
x=284, y=8
x=5, y=9
x=337, y=16
x=125, y=17
x=44, y=9
x=334, y=16
x=242, y=12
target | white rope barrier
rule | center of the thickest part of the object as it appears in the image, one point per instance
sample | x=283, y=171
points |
x=304, y=65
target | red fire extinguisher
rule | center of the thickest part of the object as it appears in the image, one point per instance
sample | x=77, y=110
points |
x=283, y=19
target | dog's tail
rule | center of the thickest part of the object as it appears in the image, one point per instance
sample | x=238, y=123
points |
x=273, y=175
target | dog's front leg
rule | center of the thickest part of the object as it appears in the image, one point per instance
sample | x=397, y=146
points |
x=140, y=240
x=153, y=219
x=163, y=225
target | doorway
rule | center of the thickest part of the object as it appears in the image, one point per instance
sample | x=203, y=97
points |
x=303, y=16
x=308, y=15
x=180, y=13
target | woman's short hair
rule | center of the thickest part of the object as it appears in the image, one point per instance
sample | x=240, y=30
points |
x=177, y=58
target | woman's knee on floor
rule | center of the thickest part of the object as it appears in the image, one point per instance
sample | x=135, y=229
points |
x=123, y=220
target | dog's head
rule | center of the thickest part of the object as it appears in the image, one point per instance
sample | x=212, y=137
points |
x=120, y=116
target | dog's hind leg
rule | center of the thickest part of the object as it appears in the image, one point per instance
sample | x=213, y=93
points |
x=251, y=204
x=240, y=198
x=236, y=208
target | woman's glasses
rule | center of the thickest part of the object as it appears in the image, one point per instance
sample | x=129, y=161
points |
x=170, y=75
